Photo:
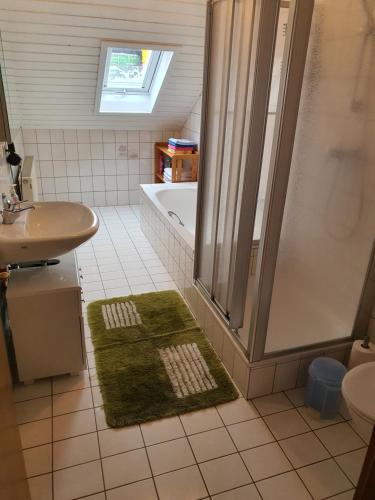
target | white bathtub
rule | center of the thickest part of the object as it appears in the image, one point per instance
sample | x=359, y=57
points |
x=178, y=203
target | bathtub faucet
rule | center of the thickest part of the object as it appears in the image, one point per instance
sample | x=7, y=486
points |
x=171, y=213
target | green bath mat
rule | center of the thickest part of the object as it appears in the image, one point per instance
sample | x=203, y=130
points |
x=152, y=359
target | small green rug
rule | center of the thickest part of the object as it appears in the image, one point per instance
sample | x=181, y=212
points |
x=153, y=360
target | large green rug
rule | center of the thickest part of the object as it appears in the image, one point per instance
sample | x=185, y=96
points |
x=153, y=360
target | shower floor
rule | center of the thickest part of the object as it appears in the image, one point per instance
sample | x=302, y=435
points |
x=268, y=448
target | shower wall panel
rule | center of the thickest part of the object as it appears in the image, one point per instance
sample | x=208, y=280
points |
x=329, y=224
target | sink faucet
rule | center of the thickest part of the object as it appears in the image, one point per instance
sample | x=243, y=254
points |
x=11, y=211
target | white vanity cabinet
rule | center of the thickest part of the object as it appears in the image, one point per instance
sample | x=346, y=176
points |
x=45, y=316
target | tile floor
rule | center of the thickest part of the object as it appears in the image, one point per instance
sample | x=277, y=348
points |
x=270, y=448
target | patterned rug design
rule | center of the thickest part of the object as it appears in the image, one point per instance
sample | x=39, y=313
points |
x=152, y=359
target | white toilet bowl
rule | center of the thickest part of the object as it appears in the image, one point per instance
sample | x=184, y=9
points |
x=358, y=390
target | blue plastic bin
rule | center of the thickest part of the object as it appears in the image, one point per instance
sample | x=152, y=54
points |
x=323, y=390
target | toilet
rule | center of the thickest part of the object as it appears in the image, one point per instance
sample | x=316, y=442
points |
x=358, y=390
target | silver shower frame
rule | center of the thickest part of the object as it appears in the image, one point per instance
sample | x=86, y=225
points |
x=295, y=52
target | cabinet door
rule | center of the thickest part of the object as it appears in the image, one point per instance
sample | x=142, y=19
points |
x=47, y=336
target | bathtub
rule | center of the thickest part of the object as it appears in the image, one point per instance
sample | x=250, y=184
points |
x=178, y=203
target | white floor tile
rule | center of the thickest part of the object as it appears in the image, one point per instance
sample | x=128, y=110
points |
x=101, y=422
x=141, y=490
x=35, y=409
x=125, y=468
x=237, y=411
x=211, y=444
x=41, y=487
x=266, y=461
x=66, y=383
x=117, y=292
x=97, y=396
x=139, y=280
x=114, y=441
x=98, y=496
x=68, y=402
x=312, y=417
x=36, y=433
x=248, y=492
x=38, y=389
x=352, y=463
x=324, y=479
x=162, y=430
x=224, y=473
x=73, y=424
x=38, y=460
x=183, y=484
x=348, y=495
x=304, y=449
x=339, y=438
x=297, y=396
x=286, y=486
x=169, y=456
x=79, y=481
x=201, y=420
x=74, y=451
x=137, y=289
x=116, y=283
x=272, y=403
x=286, y=423
x=250, y=433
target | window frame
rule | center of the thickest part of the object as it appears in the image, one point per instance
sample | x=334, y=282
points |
x=148, y=79
x=133, y=102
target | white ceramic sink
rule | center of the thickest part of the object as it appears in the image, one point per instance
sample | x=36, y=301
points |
x=51, y=229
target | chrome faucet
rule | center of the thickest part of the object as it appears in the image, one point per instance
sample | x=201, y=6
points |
x=11, y=211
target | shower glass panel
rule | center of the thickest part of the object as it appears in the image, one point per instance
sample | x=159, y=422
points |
x=328, y=224
x=220, y=26
x=240, y=45
x=243, y=332
x=232, y=151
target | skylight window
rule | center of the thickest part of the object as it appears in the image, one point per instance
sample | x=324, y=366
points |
x=130, y=70
x=130, y=77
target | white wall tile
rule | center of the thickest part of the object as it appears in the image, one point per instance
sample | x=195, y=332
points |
x=109, y=151
x=43, y=136
x=84, y=151
x=57, y=136
x=74, y=184
x=29, y=136
x=98, y=183
x=71, y=151
x=85, y=168
x=70, y=136
x=83, y=136
x=48, y=185
x=97, y=167
x=46, y=168
x=59, y=169
x=44, y=151
x=95, y=154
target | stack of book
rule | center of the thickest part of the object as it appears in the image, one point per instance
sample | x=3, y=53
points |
x=181, y=146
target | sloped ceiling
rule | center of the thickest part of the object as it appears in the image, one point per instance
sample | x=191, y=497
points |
x=51, y=57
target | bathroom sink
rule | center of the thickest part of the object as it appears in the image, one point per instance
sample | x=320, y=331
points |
x=51, y=229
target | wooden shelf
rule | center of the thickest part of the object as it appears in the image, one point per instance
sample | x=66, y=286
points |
x=161, y=149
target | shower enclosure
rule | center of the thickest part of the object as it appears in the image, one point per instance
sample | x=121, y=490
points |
x=286, y=204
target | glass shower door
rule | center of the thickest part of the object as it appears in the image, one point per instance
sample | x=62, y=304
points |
x=239, y=62
x=321, y=228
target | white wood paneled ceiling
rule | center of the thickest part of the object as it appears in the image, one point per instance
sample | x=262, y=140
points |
x=51, y=57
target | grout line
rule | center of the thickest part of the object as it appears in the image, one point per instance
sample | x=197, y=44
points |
x=195, y=458
x=149, y=461
x=97, y=438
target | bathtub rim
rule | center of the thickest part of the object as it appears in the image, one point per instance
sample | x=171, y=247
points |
x=150, y=189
